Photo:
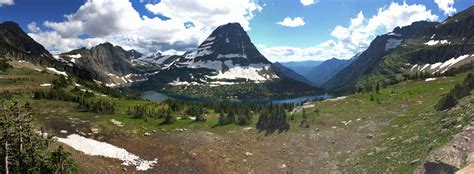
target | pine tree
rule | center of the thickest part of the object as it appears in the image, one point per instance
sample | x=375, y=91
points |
x=377, y=88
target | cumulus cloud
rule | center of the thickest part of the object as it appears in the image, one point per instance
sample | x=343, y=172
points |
x=295, y=22
x=308, y=2
x=33, y=27
x=188, y=22
x=6, y=2
x=355, y=37
x=446, y=6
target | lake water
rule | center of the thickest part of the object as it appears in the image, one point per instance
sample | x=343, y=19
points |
x=160, y=97
x=154, y=96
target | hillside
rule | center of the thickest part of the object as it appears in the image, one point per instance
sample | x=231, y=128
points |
x=320, y=74
x=423, y=47
x=15, y=44
x=390, y=131
x=108, y=63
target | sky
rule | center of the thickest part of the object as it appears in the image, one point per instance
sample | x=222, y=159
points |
x=282, y=30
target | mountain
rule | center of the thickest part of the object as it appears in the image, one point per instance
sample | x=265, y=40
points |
x=282, y=70
x=422, y=47
x=107, y=63
x=320, y=74
x=301, y=67
x=226, y=59
x=15, y=44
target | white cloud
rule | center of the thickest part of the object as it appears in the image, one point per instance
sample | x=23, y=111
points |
x=446, y=6
x=323, y=51
x=6, y=2
x=33, y=27
x=207, y=12
x=127, y=28
x=308, y=2
x=356, y=37
x=295, y=22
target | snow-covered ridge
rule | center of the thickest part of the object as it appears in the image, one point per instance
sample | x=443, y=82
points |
x=442, y=67
x=436, y=42
x=97, y=148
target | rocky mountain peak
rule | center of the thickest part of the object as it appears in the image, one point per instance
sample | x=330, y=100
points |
x=13, y=36
x=229, y=42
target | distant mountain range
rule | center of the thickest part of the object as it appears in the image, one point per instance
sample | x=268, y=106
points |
x=227, y=63
x=301, y=67
x=320, y=74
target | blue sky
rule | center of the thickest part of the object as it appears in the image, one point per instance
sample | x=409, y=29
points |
x=314, y=30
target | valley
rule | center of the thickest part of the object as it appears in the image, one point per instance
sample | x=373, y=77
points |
x=402, y=103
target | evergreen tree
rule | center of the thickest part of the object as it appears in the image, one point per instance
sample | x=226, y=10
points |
x=377, y=88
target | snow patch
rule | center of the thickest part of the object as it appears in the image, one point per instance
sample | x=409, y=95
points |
x=54, y=70
x=440, y=66
x=97, y=148
x=231, y=56
x=392, y=43
x=254, y=72
x=210, y=39
x=213, y=64
x=177, y=82
x=46, y=85
x=429, y=79
x=394, y=34
x=436, y=42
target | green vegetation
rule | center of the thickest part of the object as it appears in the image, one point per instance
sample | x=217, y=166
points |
x=23, y=149
x=273, y=119
x=4, y=65
x=459, y=91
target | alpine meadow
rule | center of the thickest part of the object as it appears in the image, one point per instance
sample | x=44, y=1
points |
x=237, y=86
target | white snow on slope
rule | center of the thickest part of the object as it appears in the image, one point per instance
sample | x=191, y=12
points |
x=97, y=148
x=429, y=79
x=177, y=82
x=204, y=51
x=436, y=42
x=54, y=70
x=394, y=34
x=392, y=43
x=76, y=56
x=46, y=85
x=231, y=56
x=210, y=39
x=252, y=72
x=212, y=64
x=440, y=66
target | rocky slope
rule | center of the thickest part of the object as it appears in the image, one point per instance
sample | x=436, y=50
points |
x=15, y=44
x=107, y=63
x=427, y=47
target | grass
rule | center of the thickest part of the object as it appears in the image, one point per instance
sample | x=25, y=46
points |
x=401, y=117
